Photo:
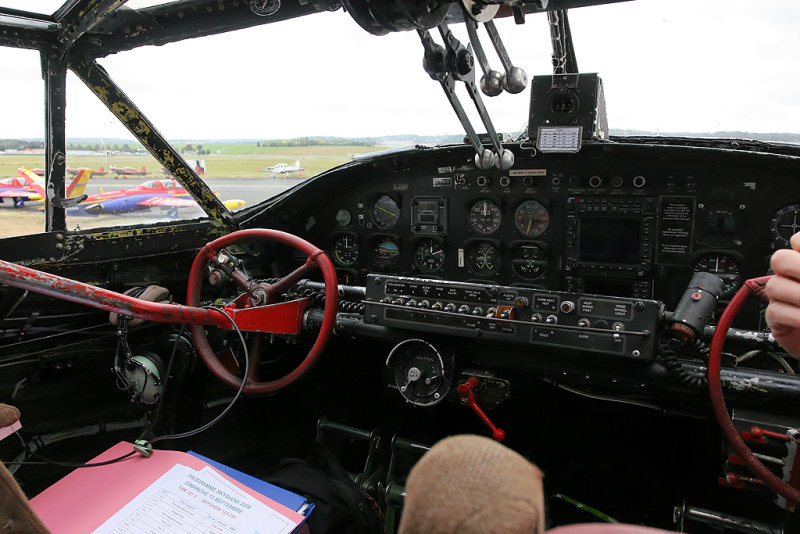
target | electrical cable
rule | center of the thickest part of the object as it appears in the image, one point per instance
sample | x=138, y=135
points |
x=167, y=436
x=235, y=397
x=149, y=429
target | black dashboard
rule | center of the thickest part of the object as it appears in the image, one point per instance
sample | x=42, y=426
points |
x=620, y=219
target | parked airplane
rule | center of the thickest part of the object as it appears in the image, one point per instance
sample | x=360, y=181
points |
x=101, y=172
x=129, y=171
x=166, y=193
x=26, y=188
x=283, y=168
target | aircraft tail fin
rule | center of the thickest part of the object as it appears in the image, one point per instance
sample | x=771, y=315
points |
x=78, y=184
x=29, y=175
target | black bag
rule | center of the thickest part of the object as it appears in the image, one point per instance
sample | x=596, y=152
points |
x=339, y=506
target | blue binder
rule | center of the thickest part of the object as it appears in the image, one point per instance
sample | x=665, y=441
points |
x=287, y=498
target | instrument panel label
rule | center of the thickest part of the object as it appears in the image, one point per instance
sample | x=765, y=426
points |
x=610, y=309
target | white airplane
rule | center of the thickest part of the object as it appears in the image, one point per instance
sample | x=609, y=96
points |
x=284, y=168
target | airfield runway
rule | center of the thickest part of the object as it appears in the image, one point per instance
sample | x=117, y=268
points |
x=251, y=190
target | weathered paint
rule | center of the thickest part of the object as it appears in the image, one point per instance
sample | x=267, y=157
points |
x=97, y=79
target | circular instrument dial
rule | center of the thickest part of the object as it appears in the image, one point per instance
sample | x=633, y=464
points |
x=484, y=258
x=387, y=251
x=722, y=265
x=343, y=217
x=429, y=256
x=419, y=372
x=345, y=250
x=386, y=212
x=485, y=217
x=531, y=218
x=530, y=261
x=784, y=224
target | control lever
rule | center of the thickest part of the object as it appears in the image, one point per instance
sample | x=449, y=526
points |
x=466, y=393
x=454, y=63
x=491, y=81
x=515, y=80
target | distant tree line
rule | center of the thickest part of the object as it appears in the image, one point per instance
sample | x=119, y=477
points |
x=19, y=144
x=98, y=147
x=311, y=141
x=189, y=148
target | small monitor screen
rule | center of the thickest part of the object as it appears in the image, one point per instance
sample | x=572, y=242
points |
x=610, y=240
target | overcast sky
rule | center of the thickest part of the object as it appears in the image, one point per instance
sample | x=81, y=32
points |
x=667, y=65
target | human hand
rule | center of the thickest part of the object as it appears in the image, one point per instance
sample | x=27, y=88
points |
x=783, y=292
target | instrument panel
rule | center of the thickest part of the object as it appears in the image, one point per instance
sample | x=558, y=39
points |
x=623, y=220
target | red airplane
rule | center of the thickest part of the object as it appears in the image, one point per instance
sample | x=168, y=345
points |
x=26, y=187
x=129, y=171
x=74, y=172
x=165, y=193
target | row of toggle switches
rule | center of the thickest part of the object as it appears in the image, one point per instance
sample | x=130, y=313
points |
x=498, y=312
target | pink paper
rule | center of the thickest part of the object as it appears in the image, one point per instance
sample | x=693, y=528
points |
x=84, y=499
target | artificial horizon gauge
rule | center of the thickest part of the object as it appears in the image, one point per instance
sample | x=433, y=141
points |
x=387, y=251
x=345, y=250
x=485, y=217
x=419, y=372
x=429, y=255
x=484, y=258
x=724, y=266
x=529, y=261
x=784, y=224
x=386, y=212
x=531, y=218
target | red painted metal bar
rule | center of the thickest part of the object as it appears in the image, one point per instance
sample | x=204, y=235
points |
x=96, y=297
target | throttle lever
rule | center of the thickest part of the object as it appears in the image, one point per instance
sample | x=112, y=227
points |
x=466, y=393
x=492, y=81
x=515, y=80
x=434, y=63
x=461, y=67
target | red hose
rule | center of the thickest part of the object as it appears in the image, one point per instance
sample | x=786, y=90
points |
x=753, y=286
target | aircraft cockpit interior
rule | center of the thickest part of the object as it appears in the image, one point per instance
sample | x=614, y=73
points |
x=578, y=295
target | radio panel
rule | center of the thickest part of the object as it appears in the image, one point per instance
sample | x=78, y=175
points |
x=623, y=327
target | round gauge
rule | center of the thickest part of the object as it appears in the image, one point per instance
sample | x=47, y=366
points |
x=387, y=251
x=419, y=372
x=386, y=212
x=722, y=265
x=485, y=217
x=531, y=218
x=345, y=250
x=784, y=224
x=484, y=258
x=530, y=261
x=343, y=217
x=429, y=256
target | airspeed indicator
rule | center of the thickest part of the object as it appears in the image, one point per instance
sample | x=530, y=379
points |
x=345, y=250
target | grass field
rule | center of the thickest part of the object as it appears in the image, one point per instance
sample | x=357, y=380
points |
x=239, y=160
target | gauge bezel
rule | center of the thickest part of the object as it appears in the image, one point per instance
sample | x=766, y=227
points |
x=737, y=258
x=419, y=265
x=784, y=242
x=377, y=241
x=335, y=254
x=495, y=226
x=524, y=232
x=380, y=221
x=471, y=248
x=515, y=248
x=435, y=394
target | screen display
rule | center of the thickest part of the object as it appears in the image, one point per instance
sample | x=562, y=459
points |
x=610, y=240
